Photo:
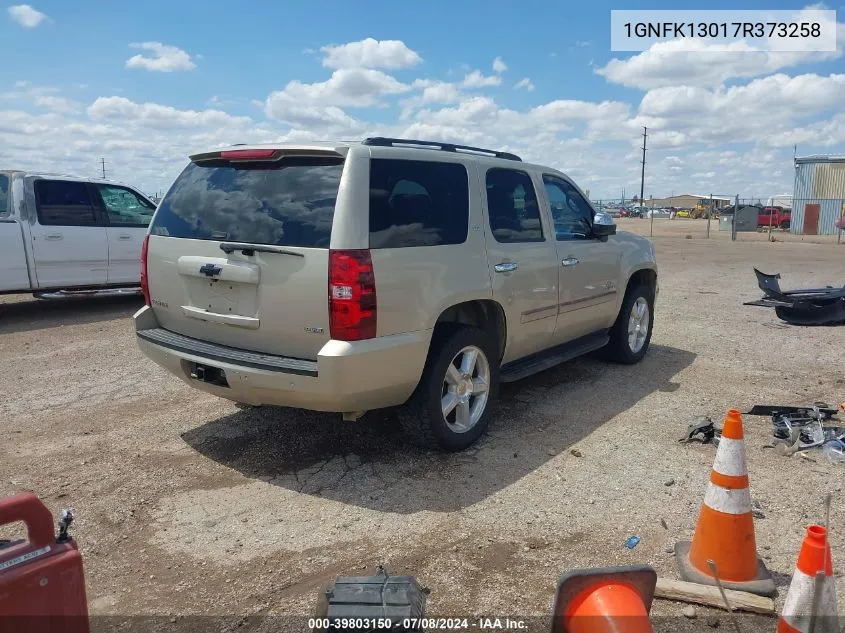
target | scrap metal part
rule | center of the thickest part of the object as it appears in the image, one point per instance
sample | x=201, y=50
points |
x=800, y=428
x=701, y=429
x=809, y=306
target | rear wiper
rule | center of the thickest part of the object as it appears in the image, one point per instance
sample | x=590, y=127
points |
x=251, y=249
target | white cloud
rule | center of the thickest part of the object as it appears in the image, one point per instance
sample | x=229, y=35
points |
x=370, y=53
x=694, y=63
x=499, y=66
x=26, y=16
x=524, y=84
x=165, y=58
x=476, y=79
x=583, y=43
x=347, y=87
x=153, y=115
x=768, y=110
x=57, y=104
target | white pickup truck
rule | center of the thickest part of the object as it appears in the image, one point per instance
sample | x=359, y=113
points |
x=61, y=233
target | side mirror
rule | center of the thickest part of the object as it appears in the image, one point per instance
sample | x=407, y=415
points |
x=603, y=225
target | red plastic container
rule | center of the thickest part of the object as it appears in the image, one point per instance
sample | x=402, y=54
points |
x=42, y=584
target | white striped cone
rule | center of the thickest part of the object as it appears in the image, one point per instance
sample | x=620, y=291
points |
x=797, y=610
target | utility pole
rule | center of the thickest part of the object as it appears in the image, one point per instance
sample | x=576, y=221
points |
x=642, y=175
x=103, y=161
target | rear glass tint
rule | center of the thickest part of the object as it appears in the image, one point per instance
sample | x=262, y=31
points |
x=285, y=203
x=417, y=203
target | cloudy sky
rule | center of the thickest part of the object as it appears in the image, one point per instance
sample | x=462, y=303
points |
x=144, y=84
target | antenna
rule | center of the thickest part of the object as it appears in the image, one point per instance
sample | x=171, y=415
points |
x=103, y=162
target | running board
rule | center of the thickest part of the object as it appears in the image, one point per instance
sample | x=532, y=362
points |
x=549, y=358
x=92, y=292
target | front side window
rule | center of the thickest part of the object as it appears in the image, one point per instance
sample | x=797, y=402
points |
x=512, y=206
x=64, y=203
x=417, y=203
x=573, y=216
x=4, y=194
x=124, y=207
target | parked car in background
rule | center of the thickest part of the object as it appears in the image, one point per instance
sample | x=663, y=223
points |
x=323, y=277
x=774, y=217
x=67, y=233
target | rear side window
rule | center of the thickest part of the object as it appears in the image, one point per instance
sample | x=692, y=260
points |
x=417, y=203
x=290, y=202
x=512, y=206
x=64, y=203
x=4, y=194
x=124, y=207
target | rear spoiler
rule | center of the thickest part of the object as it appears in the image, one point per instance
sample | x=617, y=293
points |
x=263, y=154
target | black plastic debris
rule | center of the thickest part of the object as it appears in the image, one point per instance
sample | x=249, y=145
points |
x=810, y=306
x=701, y=430
x=372, y=603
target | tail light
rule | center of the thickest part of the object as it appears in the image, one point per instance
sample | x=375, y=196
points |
x=145, y=284
x=352, y=295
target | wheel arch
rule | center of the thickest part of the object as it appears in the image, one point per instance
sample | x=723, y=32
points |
x=484, y=314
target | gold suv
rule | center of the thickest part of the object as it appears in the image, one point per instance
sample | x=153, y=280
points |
x=357, y=276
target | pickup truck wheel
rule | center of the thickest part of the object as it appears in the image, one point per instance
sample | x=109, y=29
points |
x=631, y=334
x=451, y=406
x=785, y=224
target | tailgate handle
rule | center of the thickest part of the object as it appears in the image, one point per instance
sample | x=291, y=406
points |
x=218, y=268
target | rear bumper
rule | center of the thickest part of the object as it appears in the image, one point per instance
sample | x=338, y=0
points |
x=347, y=376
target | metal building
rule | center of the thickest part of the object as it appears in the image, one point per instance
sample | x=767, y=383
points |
x=819, y=195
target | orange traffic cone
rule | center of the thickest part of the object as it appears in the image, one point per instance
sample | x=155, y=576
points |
x=797, y=610
x=725, y=529
x=615, y=600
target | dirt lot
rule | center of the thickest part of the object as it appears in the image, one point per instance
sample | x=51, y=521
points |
x=187, y=505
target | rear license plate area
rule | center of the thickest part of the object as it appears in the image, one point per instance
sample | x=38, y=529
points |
x=209, y=374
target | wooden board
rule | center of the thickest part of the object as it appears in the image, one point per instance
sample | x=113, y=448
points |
x=710, y=596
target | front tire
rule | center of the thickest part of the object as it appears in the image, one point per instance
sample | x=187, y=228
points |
x=452, y=404
x=631, y=334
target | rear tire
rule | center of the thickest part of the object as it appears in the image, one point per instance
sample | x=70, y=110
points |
x=630, y=336
x=452, y=404
x=784, y=225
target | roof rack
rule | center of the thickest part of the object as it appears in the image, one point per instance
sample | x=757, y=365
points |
x=381, y=141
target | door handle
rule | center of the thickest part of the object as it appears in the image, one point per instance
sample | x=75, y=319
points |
x=569, y=261
x=125, y=237
x=506, y=267
x=53, y=236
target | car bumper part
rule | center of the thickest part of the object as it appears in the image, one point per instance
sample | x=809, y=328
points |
x=347, y=376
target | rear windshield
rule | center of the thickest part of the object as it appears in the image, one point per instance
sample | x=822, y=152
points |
x=286, y=203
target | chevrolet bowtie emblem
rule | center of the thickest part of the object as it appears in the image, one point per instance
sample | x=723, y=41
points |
x=210, y=270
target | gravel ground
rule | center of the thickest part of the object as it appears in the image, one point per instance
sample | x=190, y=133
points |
x=187, y=505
